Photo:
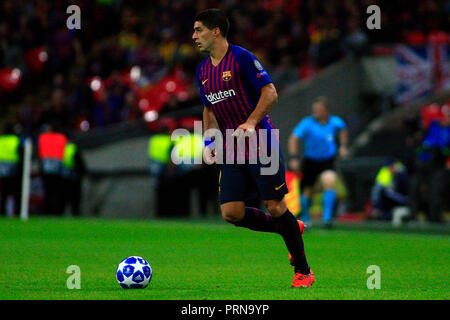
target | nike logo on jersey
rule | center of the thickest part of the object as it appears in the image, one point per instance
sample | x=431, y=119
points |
x=278, y=188
x=203, y=82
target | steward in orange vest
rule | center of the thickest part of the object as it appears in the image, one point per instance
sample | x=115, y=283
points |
x=51, y=145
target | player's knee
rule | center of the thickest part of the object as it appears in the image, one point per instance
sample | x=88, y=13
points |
x=328, y=179
x=233, y=212
x=232, y=216
x=276, y=207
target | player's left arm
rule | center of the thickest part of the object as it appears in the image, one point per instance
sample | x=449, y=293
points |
x=343, y=143
x=252, y=69
x=268, y=97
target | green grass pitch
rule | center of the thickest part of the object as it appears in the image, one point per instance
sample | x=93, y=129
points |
x=195, y=260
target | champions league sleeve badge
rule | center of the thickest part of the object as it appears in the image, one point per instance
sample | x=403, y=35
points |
x=258, y=65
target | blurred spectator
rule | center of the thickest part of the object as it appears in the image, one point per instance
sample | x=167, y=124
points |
x=11, y=162
x=51, y=145
x=187, y=156
x=440, y=190
x=202, y=178
x=430, y=191
x=285, y=73
x=115, y=102
x=57, y=112
x=62, y=49
x=11, y=52
x=163, y=172
x=73, y=170
x=159, y=150
x=80, y=98
x=325, y=39
x=100, y=116
x=356, y=42
x=130, y=109
x=390, y=190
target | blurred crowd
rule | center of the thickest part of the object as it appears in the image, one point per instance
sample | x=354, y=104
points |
x=430, y=182
x=135, y=59
x=419, y=181
x=55, y=186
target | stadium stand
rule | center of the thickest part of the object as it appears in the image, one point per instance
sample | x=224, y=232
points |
x=130, y=58
x=132, y=63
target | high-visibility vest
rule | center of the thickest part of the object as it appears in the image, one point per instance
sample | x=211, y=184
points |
x=9, y=148
x=51, y=145
x=190, y=146
x=159, y=147
x=385, y=176
x=69, y=155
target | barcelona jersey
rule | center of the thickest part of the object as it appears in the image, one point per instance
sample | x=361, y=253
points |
x=232, y=90
x=233, y=87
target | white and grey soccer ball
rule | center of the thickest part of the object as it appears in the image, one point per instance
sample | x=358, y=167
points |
x=134, y=273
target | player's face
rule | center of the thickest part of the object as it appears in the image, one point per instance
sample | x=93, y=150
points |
x=319, y=111
x=202, y=36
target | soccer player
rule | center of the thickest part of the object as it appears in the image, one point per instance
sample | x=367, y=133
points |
x=237, y=94
x=319, y=134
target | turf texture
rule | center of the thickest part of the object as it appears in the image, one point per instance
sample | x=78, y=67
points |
x=197, y=260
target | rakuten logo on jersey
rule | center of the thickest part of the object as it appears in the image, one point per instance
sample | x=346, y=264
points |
x=214, y=98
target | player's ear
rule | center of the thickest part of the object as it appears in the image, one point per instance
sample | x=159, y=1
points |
x=216, y=31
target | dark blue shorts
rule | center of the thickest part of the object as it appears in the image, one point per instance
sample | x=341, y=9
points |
x=242, y=182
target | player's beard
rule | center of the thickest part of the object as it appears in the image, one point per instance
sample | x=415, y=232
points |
x=205, y=47
x=204, y=50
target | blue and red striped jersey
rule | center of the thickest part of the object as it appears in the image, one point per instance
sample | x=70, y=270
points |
x=233, y=87
x=232, y=90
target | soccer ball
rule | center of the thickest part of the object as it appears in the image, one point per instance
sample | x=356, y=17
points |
x=134, y=272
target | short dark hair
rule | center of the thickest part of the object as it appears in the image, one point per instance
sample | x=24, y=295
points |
x=323, y=100
x=214, y=18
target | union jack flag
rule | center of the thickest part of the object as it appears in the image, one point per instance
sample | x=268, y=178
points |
x=441, y=56
x=414, y=72
x=421, y=71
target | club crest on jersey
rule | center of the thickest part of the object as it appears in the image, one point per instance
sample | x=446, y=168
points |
x=226, y=75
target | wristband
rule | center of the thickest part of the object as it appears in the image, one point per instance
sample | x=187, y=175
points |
x=208, y=141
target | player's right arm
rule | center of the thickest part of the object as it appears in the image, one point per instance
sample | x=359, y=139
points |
x=294, y=151
x=209, y=122
x=209, y=119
